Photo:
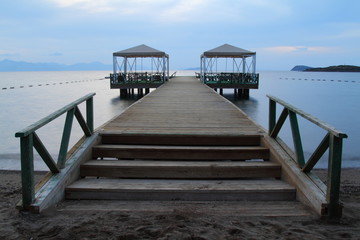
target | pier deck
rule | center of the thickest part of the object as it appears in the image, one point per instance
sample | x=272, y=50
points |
x=183, y=142
x=183, y=106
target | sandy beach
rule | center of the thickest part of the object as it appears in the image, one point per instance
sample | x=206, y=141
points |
x=76, y=220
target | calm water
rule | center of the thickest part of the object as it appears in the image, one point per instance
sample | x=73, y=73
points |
x=27, y=97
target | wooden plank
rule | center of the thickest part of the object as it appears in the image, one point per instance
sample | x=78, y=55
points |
x=27, y=170
x=182, y=106
x=180, y=169
x=230, y=208
x=53, y=190
x=309, y=117
x=308, y=190
x=46, y=120
x=82, y=122
x=65, y=140
x=296, y=139
x=45, y=155
x=184, y=139
x=188, y=190
x=181, y=152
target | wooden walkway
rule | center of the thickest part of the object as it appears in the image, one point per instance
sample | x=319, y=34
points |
x=183, y=106
x=183, y=142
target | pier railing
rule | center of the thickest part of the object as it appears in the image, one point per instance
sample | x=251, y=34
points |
x=332, y=141
x=230, y=78
x=137, y=77
x=29, y=140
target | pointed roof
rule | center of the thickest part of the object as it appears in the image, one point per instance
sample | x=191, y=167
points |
x=140, y=51
x=228, y=50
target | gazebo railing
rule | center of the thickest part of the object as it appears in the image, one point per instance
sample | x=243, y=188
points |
x=137, y=77
x=231, y=78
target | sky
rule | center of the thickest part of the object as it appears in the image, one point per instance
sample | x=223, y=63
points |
x=283, y=33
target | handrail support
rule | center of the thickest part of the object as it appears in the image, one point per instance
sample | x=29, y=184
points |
x=296, y=139
x=65, y=138
x=30, y=140
x=27, y=176
x=334, y=175
x=332, y=141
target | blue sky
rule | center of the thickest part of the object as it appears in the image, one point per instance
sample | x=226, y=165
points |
x=284, y=33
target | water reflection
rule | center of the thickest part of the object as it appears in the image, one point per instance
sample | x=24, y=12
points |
x=249, y=106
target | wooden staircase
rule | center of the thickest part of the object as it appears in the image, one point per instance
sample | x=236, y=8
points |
x=180, y=167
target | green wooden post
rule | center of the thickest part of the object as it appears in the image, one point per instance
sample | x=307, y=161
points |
x=90, y=114
x=296, y=139
x=65, y=138
x=27, y=170
x=318, y=153
x=44, y=154
x=272, y=115
x=82, y=122
x=334, y=174
x=276, y=129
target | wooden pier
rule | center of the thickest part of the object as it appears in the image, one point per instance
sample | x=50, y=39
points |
x=185, y=142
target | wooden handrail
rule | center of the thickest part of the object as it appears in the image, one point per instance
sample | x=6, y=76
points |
x=30, y=140
x=309, y=117
x=332, y=141
x=33, y=127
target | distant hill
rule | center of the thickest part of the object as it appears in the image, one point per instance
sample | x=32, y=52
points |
x=300, y=68
x=15, y=66
x=340, y=68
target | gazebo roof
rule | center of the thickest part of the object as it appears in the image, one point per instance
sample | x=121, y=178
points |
x=140, y=51
x=228, y=50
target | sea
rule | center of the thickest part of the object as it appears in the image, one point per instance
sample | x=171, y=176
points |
x=26, y=97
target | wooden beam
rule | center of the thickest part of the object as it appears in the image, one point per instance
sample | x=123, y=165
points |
x=65, y=138
x=45, y=155
x=296, y=139
x=334, y=175
x=33, y=127
x=52, y=191
x=27, y=170
x=318, y=153
x=82, y=122
x=309, y=117
x=310, y=190
x=276, y=129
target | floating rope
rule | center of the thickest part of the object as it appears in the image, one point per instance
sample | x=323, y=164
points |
x=48, y=84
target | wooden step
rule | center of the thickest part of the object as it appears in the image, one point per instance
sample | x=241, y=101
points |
x=203, y=208
x=180, y=169
x=181, y=152
x=180, y=139
x=186, y=190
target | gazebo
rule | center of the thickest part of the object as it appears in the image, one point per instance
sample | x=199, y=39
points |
x=140, y=67
x=228, y=66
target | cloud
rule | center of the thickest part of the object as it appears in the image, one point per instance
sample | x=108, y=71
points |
x=165, y=11
x=118, y=6
x=8, y=54
x=183, y=10
x=300, y=49
x=86, y=5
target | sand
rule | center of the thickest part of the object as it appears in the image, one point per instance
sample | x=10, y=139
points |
x=75, y=220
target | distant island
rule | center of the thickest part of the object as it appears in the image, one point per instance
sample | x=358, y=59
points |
x=300, y=68
x=339, y=68
x=17, y=66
